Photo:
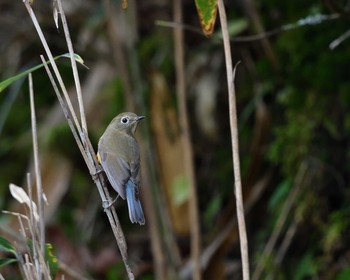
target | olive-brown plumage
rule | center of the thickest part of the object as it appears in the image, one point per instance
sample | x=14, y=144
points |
x=120, y=158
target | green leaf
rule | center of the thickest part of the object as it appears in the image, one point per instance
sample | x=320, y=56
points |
x=207, y=15
x=6, y=246
x=180, y=189
x=306, y=268
x=51, y=259
x=212, y=209
x=280, y=194
x=9, y=81
x=4, y=262
x=77, y=58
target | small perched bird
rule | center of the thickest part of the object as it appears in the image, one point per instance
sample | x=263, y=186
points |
x=119, y=155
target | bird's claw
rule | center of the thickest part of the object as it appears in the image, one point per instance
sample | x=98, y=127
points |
x=106, y=204
x=98, y=170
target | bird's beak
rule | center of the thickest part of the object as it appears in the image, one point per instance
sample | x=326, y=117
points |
x=139, y=118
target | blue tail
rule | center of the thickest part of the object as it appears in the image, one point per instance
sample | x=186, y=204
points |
x=134, y=203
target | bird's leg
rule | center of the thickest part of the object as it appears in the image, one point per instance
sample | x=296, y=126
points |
x=99, y=170
x=106, y=204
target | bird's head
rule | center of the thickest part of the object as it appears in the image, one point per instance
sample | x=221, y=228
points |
x=126, y=122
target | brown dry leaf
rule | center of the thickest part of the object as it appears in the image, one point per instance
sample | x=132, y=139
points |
x=169, y=153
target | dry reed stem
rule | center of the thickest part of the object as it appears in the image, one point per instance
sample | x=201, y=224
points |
x=234, y=138
x=39, y=188
x=31, y=221
x=74, y=66
x=87, y=151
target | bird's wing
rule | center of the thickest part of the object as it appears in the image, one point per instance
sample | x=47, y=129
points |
x=135, y=174
x=117, y=171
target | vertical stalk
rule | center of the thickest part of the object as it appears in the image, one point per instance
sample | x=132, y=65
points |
x=234, y=139
x=39, y=189
x=74, y=66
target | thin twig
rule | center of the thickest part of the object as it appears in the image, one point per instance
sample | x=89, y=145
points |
x=39, y=188
x=91, y=162
x=186, y=140
x=27, y=268
x=309, y=20
x=234, y=138
x=86, y=150
x=32, y=222
x=286, y=242
x=74, y=66
x=19, y=216
x=339, y=40
x=66, y=112
x=38, y=242
x=173, y=24
x=111, y=214
x=53, y=63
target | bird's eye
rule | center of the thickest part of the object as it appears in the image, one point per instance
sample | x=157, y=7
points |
x=125, y=120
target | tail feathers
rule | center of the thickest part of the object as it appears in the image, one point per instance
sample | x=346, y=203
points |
x=134, y=203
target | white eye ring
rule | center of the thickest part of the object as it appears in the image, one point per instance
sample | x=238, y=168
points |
x=124, y=120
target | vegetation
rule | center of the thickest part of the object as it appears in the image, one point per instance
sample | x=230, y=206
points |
x=292, y=95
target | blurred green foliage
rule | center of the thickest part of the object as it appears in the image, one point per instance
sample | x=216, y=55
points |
x=309, y=105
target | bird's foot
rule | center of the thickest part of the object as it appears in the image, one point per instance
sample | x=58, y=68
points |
x=99, y=170
x=106, y=204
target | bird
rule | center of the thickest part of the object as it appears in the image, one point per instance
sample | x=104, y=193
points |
x=119, y=155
